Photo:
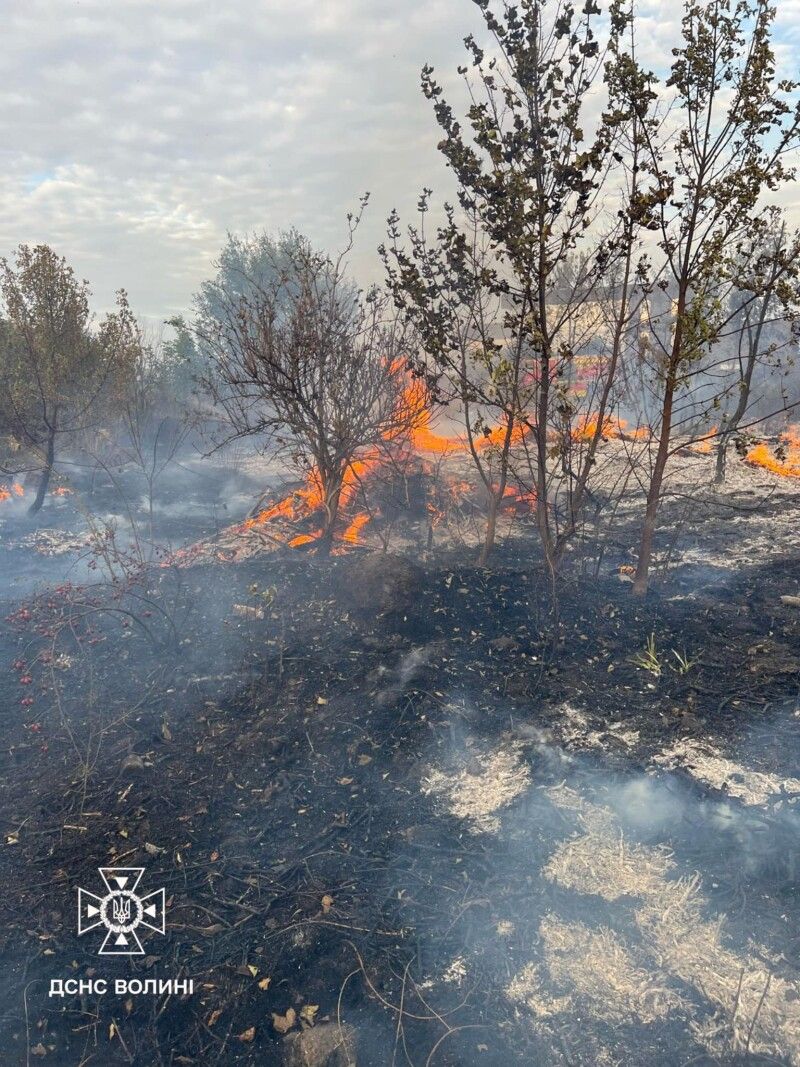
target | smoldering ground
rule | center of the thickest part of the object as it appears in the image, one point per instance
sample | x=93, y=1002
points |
x=454, y=840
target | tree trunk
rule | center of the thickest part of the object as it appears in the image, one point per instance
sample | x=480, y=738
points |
x=722, y=458
x=332, y=499
x=491, y=530
x=642, y=575
x=47, y=471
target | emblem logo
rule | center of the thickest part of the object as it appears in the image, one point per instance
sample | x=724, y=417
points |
x=121, y=910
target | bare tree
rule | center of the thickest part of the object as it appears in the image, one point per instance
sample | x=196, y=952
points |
x=312, y=365
x=473, y=345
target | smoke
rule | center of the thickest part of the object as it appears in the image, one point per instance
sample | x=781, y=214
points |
x=615, y=900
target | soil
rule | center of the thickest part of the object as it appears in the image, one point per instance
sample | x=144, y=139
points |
x=469, y=830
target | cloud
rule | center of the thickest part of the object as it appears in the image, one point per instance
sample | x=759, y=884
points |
x=134, y=135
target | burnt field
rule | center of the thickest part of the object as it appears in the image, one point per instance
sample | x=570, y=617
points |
x=408, y=810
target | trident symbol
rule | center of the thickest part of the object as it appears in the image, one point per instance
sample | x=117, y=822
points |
x=122, y=911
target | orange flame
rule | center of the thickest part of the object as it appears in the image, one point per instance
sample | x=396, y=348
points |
x=8, y=492
x=586, y=428
x=415, y=407
x=786, y=467
x=705, y=444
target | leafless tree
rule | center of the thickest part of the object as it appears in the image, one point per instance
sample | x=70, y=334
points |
x=311, y=365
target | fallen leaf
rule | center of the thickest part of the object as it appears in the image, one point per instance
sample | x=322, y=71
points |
x=284, y=1023
x=214, y=1016
x=248, y=1034
x=265, y=983
x=308, y=1013
x=39, y=1050
x=327, y=903
x=364, y=760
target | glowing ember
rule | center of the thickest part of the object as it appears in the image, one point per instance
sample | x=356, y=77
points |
x=786, y=462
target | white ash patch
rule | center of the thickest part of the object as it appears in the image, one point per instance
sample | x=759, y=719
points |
x=742, y=1000
x=575, y=731
x=627, y=736
x=479, y=793
x=455, y=972
x=692, y=948
x=709, y=766
x=51, y=542
x=602, y=862
x=594, y=970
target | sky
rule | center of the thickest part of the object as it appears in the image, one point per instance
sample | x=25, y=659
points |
x=136, y=133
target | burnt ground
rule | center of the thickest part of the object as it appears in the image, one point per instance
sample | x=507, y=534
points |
x=299, y=770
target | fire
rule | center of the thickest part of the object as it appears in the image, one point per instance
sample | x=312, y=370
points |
x=8, y=492
x=586, y=428
x=787, y=465
x=353, y=531
x=305, y=504
x=424, y=439
x=705, y=444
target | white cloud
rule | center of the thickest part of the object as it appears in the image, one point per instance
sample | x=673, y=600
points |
x=134, y=134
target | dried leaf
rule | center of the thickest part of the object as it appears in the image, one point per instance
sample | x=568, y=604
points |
x=364, y=760
x=284, y=1023
x=214, y=1016
x=308, y=1013
x=327, y=903
x=39, y=1050
x=265, y=983
x=248, y=1034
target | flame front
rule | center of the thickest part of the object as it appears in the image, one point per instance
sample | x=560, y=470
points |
x=787, y=462
x=613, y=428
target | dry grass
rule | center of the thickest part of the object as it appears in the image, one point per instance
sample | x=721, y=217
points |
x=742, y=1004
x=711, y=767
x=477, y=795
